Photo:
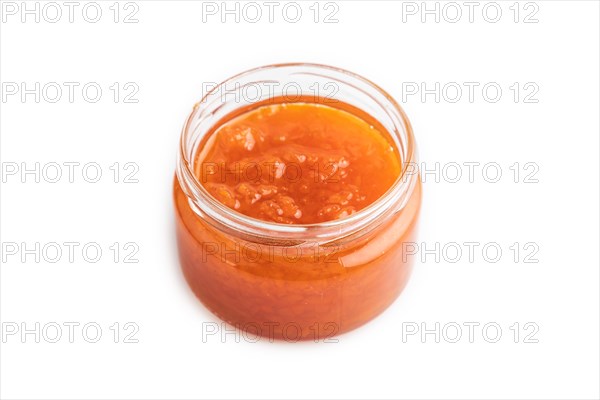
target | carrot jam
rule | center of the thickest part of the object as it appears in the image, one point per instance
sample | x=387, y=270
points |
x=295, y=163
x=298, y=163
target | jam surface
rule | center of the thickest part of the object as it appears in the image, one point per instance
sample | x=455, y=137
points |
x=297, y=163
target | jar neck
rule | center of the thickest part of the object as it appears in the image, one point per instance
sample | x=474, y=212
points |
x=296, y=83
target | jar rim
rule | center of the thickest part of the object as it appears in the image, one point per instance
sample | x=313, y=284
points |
x=204, y=203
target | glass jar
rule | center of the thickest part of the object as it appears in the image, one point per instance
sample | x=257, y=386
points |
x=296, y=282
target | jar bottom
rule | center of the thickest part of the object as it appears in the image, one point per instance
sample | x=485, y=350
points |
x=287, y=331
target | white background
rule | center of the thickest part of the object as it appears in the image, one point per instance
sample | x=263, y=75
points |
x=168, y=54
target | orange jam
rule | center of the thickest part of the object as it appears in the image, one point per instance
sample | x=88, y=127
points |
x=297, y=163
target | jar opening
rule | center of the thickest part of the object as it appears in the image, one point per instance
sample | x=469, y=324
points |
x=296, y=83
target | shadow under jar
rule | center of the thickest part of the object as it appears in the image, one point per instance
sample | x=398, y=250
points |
x=295, y=281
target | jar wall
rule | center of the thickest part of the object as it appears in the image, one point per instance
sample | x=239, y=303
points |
x=296, y=292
